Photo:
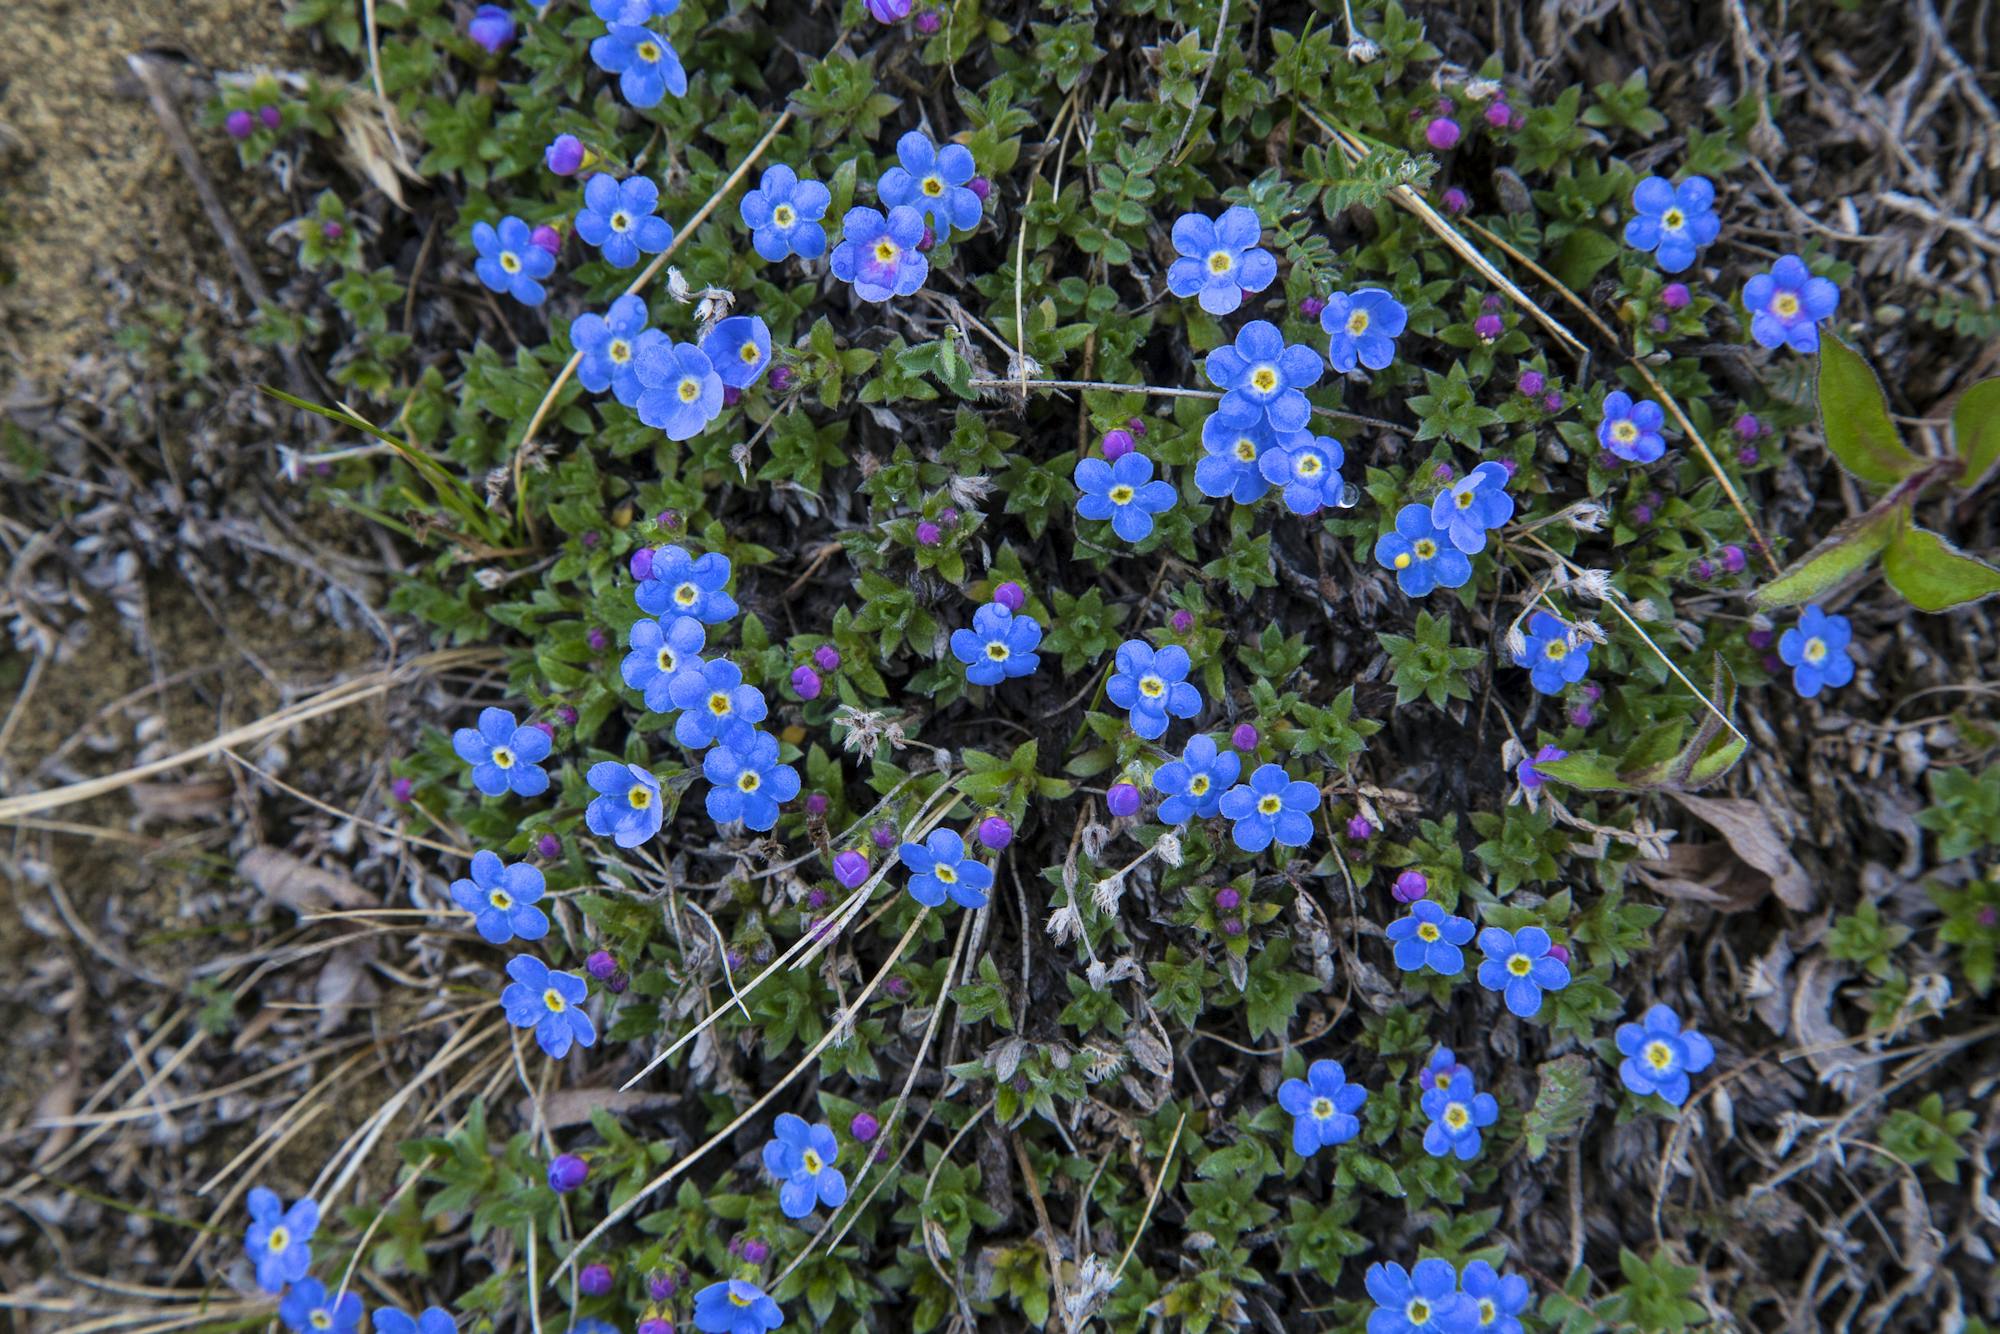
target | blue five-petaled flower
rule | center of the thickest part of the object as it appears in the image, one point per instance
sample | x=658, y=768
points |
x=1817, y=650
x=934, y=181
x=1497, y=1298
x=647, y=66
x=1322, y=1107
x=1419, y=553
x=1361, y=328
x=277, y=1239
x=509, y=262
x=1475, y=503
x=434, y=1320
x=801, y=1156
x=736, y=1307
x=739, y=348
x=1632, y=430
x=716, y=707
x=504, y=757
x=1263, y=375
x=618, y=218
x=1307, y=466
x=1220, y=260
x=549, y=1002
x=1787, y=304
x=1229, y=467
x=1430, y=938
x=1553, y=657
x=1123, y=492
x=627, y=809
x=1457, y=1114
x=501, y=898
x=1273, y=807
x=1194, y=784
x=306, y=1310
x=879, y=254
x=1151, y=685
x=784, y=215
x=683, y=585
x=1674, y=221
x=747, y=782
x=680, y=391
x=941, y=869
x=1000, y=644
x=609, y=345
x=1660, y=1055
x=1519, y=966
x=1426, y=1301
x=662, y=651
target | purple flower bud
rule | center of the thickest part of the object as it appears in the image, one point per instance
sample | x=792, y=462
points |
x=549, y=846
x=881, y=1153
x=563, y=155
x=546, y=729
x=1410, y=886
x=331, y=231
x=1489, y=327
x=1642, y=514
x=567, y=1172
x=1183, y=621
x=1456, y=201
x=1227, y=898
x=1560, y=952
x=1511, y=466
x=756, y=1252
x=1492, y=302
x=816, y=898
x=1581, y=716
x=642, y=563
x=995, y=832
x=669, y=520
x=827, y=658
x=567, y=714
x=884, y=835
x=806, y=681
x=1659, y=324
x=1232, y=926
x=816, y=802
x=1442, y=133
x=1591, y=691
x=1758, y=639
x=1122, y=799
x=781, y=378
x=1531, y=383
x=401, y=789
x=1552, y=401
x=1675, y=296
x=1733, y=559
x=594, y=1281
x=1135, y=425
x=239, y=123
x=661, y=1286
x=654, y=1325
x=1773, y=663
x=1497, y=115
x=1442, y=471
x=492, y=27
x=1011, y=596
x=591, y=537
x=979, y=185
x=271, y=117
x=1747, y=427
x=948, y=517
x=897, y=986
x=889, y=11
x=1117, y=444
x=1444, y=106
x=1311, y=306
x=597, y=640
x=1704, y=570
x=1516, y=119
x=864, y=1127
x=1244, y=737
x=1989, y=916
x=1359, y=830
x=1747, y=455
x=930, y=238
x=928, y=533
x=850, y=868
x=600, y=964
x=731, y=396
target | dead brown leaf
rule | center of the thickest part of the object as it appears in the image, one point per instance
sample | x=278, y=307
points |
x=298, y=884
x=572, y=1107
x=1754, y=840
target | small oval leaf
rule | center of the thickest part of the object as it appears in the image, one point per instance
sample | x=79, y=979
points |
x=1855, y=416
x=1935, y=575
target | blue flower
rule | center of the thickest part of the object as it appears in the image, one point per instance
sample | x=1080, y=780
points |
x=1439, y=1071
x=1430, y=938
x=747, y=782
x=1660, y=1055
x=1000, y=644
x=646, y=64
x=609, y=344
x=633, y=11
x=716, y=707
x=492, y=27
x=618, y=218
x=1323, y=1107
x=1519, y=965
x=277, y=1238
x=935, y=182
x=682, y=585
x=1152, y=684
x=1817, y=650
x=1553, y=659
x=1632, y=430
x=1673, y=221
x=1123, y=492
x=305, y=1309
x=549, y=1002
x=1474, y=503
x=1264, y=376
x=801, y=1156
x=1457, y=1114
x=1497, y=1299
x=1787, y=304
x=879, y=255
x=662, y=652
x=783, y=214
x=1271, y=807
x=1418, y=554
x=509, y=262
x=502, y=898
x=735, y=1307
x=434, y=1320
x=1425, y=1302
x=628, y=809
x=1307, y=466
x=940, y=868
x=1230, y=467
x=1362, y=326
x=739, y=348
x=681, y=393
x=504, y=757
x=1193, y=784
x=1220, y=259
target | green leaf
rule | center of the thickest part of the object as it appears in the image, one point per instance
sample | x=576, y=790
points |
x=1975, y=431
x=1855, y=417
x=1563, y=1101
x=1584, y=251
x=1593, y=773
x=1846, y=552
x=1935, y=575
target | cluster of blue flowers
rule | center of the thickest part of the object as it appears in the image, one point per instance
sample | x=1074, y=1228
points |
x=1435, y=1298
x=930, y=193
x=1432, y=544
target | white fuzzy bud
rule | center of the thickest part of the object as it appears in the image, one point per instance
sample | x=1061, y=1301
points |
x=1586, y=517
x=1479, y=90
x=1517, y=643
x=1587, y=630
x=1168, y=849
x=1106, y=893
x=1593, y=584
x=1361, y=51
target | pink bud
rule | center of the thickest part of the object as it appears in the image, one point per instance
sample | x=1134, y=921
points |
x=1011, y=596
x=1442, y=133
x=806, y=681
x=1497, y=115
x=1183, y=621
x=1117, y=444
x=850, y=868
x=928, y=533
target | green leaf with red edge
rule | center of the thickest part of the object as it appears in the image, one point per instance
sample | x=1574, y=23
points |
x=1845, y=552
x=1935, y=575
x=1854, y=413
x=1975, y=431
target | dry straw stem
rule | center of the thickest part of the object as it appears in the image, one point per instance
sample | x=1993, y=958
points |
x=646, y=276
x=331, y=700
x=1152, y=1199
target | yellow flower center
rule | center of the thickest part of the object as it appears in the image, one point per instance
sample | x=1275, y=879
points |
x=1270, y=805
x=1246, y=449
x=1418, y=1311
x=1520, y=965
x=1456, y=1116
x=503, y=757
x=748, y=354
x=639, y=798
x=664, y=660
x=1463, y=500
x=620, y=351
x=1673, y=220
x=553, y=999
x=1121, y=494
x=1785, y=305
x=320, y=1320
x=648, y=52
x=1264, y=379
x=1219, y=261
x=1426, y=549
x=946, y=875
x=1441, y=1080
x=1815, y=650
x=1487, y=1311
x=1555, y=650
x=812, y=1162
x=1152, y=687
x=748, y=781
x=510, y=262
x=1427, y=932
x=933, y=186
x=1402, y=560
x=690, y=389
x=1308, y=465
x=1322, y=1108
x=621, y=221
x=1357, y=323
x=1624, y=432
x=718, y=703
x=886, y=251
x=686, y=594
x=997, y=651
x=281, y=1238
x=1198, y=785
x=1659, y=1055
x=501, y=899
x=784, y=215
x=735, y=1300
